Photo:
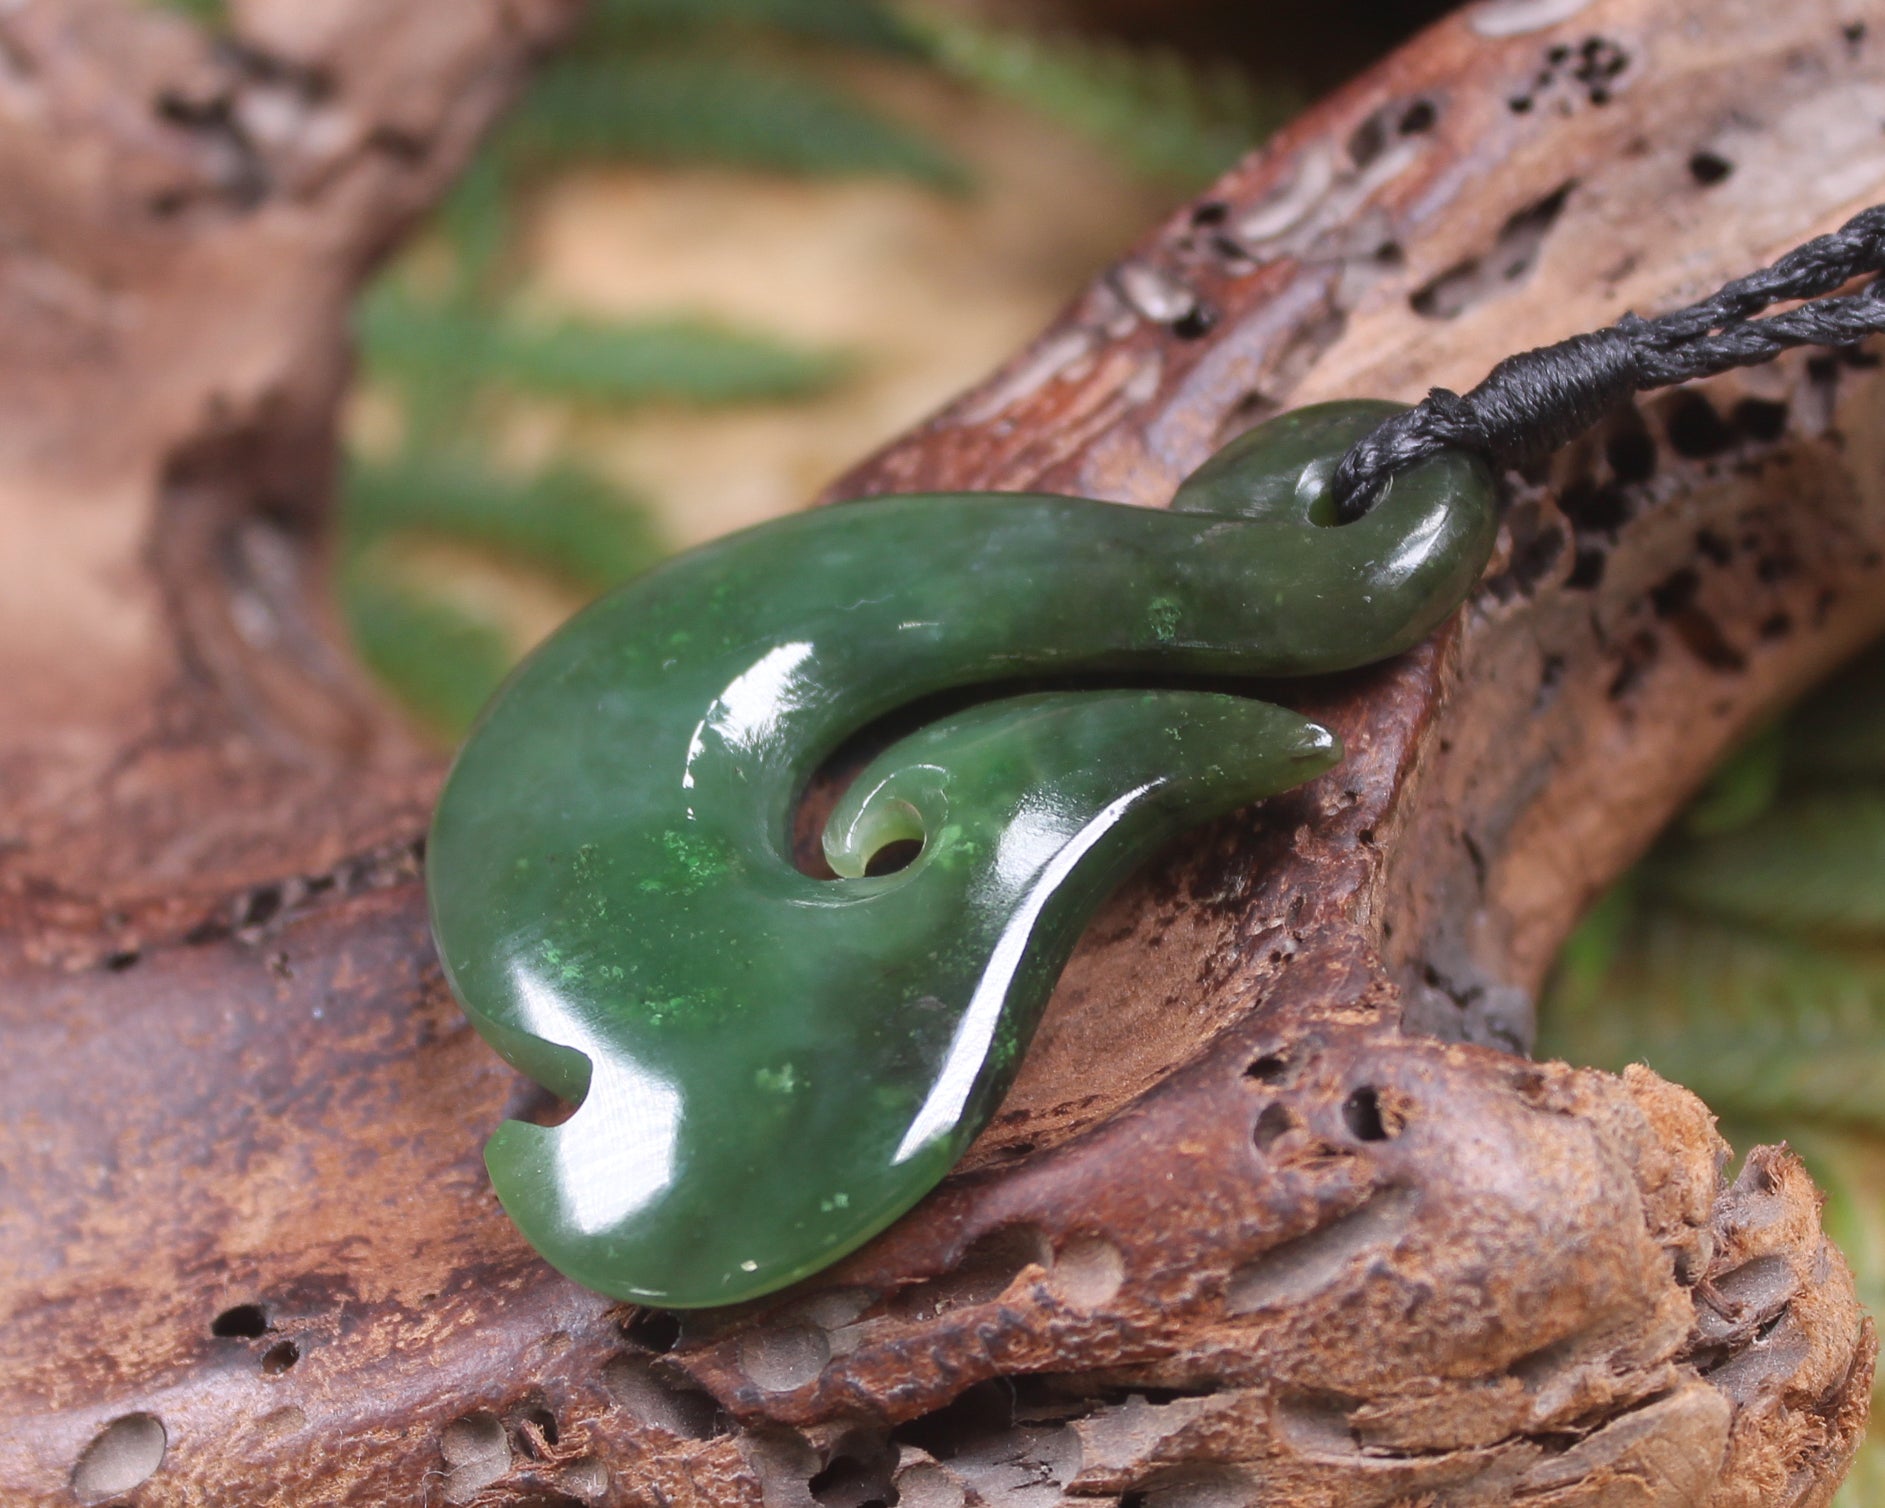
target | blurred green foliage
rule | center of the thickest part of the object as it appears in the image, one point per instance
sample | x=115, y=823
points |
x=753, y=83
x=1745, y=958
x=562, y=520
x=1172, y=118
x=442, y=354
x=684, y=106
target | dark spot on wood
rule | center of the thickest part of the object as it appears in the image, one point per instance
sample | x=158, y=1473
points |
x=243, y=1322
x=1587, y=570
x=1674, y=592
x=1777, y=565
x=1476, y=856
x=1537, y=547
x=1195, y=322
x=210, y=930
x=1631, y=454
x=656, y=1330
x=1761, y=420
x=1694, y=427
x=259, y=907
x=1709, y=168
x=1229, y=248
x=1633, y=663
x=1361, y=1113
x=1550, y=673
x=402, y=147
x=1271, y=1068
x=1368, y=140
x=1702, y=636
x=1595, y=508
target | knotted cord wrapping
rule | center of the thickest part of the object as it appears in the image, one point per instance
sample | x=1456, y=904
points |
x=1532, y=403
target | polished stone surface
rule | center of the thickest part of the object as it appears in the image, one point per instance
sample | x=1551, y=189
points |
x=771, y=1067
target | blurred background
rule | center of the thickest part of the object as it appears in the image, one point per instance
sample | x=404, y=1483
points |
x=726, y=247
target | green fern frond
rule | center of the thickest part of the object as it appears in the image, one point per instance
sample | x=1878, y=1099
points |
x=1833, y=1083
x=421, y=344
x=1759, y=1026
x=440, y=661
x=211, y=13
x=1743, y=788
x=565, y=520
x=1172, y=119
x=477, y=223
x=698, y=106
x=1839, y=734
x=1814, y=864
x=849, y=23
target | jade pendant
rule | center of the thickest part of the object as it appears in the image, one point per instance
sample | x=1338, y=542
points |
x=770, y=1067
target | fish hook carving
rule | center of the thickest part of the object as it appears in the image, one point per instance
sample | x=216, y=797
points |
x=770, y=1066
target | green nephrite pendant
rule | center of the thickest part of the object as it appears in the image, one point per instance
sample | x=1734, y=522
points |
x=770, y=1066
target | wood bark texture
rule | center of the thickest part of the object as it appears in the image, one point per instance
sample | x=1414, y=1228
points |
x=1278, y=1213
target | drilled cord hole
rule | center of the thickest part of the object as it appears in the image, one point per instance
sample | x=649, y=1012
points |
x=893, y=856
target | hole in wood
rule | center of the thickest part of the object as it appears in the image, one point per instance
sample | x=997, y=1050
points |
x=122, y=1455
x=1276, y=1122
x=641, y=1386
x=243, y=1322
x=654, y=1329
x=1271, y=1068
x=476, y=1451
x=1361, y=1113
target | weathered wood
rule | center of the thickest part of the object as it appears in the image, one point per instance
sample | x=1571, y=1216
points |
x=1275, y=1214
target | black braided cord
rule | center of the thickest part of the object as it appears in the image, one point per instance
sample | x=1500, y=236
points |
x=1533, y=402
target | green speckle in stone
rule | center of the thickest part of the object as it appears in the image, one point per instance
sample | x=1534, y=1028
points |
x=771, y=1067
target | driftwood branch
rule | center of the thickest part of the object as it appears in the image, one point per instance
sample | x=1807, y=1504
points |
x=1277, y=1214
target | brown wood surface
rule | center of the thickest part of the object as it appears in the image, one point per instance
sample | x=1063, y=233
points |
x=1277, y=1214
